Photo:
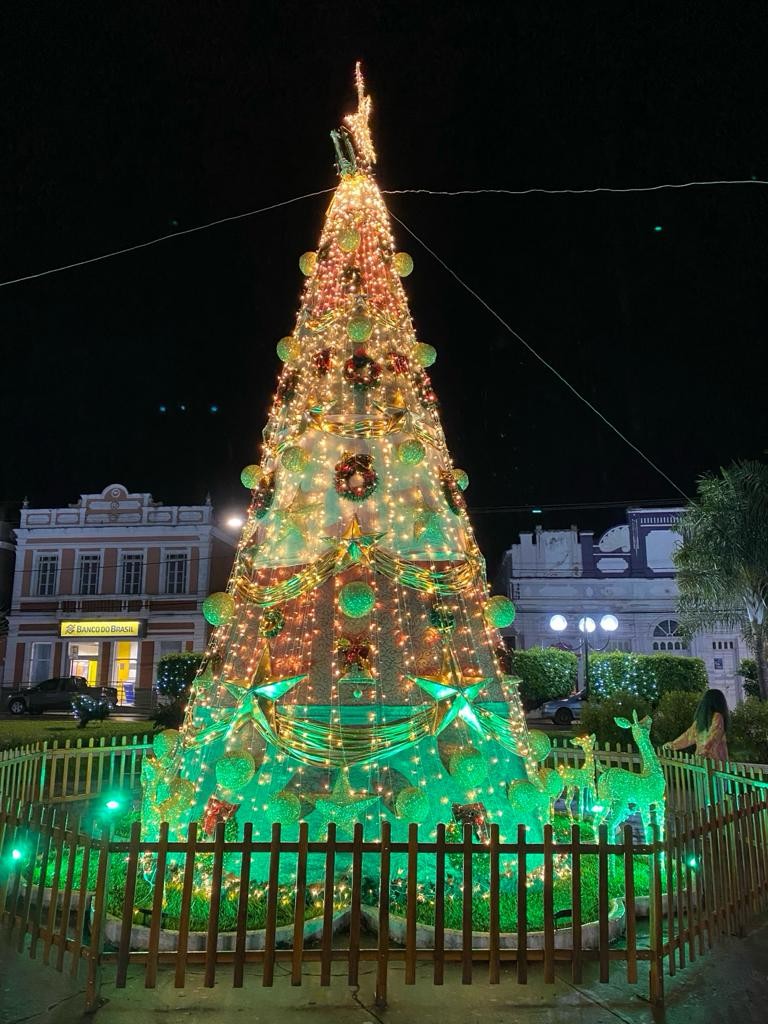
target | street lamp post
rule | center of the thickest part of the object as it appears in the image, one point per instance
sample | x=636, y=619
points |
x=587, y=625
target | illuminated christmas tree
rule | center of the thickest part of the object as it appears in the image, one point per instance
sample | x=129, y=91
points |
x=354, y=671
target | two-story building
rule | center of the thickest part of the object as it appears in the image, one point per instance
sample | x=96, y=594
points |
x=103, y=588
x=627, y=572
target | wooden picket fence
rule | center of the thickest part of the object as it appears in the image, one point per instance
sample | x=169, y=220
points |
x=708, y=877
x=56, y=772
x=707, y=869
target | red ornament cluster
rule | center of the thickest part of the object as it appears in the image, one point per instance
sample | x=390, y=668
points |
x=264, y=495
x=215, y=811
x=322, y=361
x=452, y=492
x=288, y=386
x=424, y=390
x=397, y=363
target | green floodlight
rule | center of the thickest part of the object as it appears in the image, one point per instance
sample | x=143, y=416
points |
x=693, y=863
x=657, y=228
x=16, y=854
x=112, y=805
x=596, y=808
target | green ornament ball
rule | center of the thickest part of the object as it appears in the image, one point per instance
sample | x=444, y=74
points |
x=250, y=476
x=165, y=744
x=235, y=769
x=307, y=263
x=499, y=612
x=539, y=744
x=357, y=693
x=284, y=807
x=294, y=459
x=218, y=608
x=425, y=354
x=356, y=599
x=462, y=478
x=359, y=328
x=411, y=452
x=468, y=767
x=402, y=263
x=348, y=239
x=412, y=804
x=288, y=349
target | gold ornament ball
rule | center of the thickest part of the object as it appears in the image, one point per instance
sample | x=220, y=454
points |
x=403, y=263
x=468, y=767
x=412, y=804
x=307, y=263
x=425, y=354
x=284, y=807
x=499, y=612
x=294, y=459
x=461, y=478
x=218, y=608
x=165, y=743
x=235, y=769
x=250, y=476
x=539, y=744
x=288, y=349
x=356, y=599
x=411, y=452
x=359, y=328
x=348, y=239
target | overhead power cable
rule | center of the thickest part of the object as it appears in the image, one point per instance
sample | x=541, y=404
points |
x=566, y=191
x=165, y=238
x=391, y=192
x=541, y=358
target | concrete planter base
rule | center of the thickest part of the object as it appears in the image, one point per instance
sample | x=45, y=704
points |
x=425, y=933
x=169, y=939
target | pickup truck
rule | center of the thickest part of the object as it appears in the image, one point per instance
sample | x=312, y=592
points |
x=56, y=695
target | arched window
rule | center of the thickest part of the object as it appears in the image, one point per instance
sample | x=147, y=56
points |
x=668, y=636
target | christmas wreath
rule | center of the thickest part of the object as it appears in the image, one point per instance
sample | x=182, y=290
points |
x=355, y=478
x=264, y=495
x=396, y=362
x=322, y=361
x=452, y=492
x=424, y=391
x=361, y=371
x=288, y=386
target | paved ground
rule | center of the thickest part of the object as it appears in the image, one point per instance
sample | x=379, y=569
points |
x=729, y=986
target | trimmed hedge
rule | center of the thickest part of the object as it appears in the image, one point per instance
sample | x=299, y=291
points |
x=545, y=673
x=673, y=715
x=597, y=716
x=748, y=732
x=649, y=676
x=176, y=672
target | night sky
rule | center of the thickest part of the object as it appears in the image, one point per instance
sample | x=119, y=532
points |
x=128, y=121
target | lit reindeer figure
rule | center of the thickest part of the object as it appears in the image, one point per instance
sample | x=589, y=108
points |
x=622, y=793
x=580, y=777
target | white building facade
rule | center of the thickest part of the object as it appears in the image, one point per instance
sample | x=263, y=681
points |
x=105, y=587
x=627, y=572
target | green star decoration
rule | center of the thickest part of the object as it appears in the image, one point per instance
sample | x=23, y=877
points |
x=342, y=805
x=255, y=702
x=450, y=686
x=353, y=545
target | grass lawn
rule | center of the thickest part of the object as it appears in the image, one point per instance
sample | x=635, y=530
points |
x=16, y=732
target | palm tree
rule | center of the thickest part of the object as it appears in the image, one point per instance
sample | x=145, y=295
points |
x=723, y=559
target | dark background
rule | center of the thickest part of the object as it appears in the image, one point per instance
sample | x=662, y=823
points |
x=127, y=121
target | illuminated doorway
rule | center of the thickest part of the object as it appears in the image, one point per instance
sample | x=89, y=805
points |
x=84, y=661
x=124, y=669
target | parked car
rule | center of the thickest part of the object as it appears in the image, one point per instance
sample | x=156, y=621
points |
x=564, y=711
x=56, y=695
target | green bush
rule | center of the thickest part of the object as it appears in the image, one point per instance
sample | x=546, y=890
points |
x=748, y=671
x=597, y=716
x=545, y=673
x=175, y=673
x=677, y=673
x=622, y=672
x=748, y=732
x=673, y=715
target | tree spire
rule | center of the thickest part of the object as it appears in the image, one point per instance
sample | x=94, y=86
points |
x=360, y=123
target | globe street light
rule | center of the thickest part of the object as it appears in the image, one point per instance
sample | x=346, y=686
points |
x=586, y=626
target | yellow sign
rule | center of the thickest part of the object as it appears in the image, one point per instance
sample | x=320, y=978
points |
x=102, y=627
